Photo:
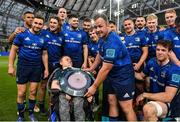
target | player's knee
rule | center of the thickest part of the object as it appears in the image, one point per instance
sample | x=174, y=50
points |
x=149, y=110
x=32, y=93
x=112, y=101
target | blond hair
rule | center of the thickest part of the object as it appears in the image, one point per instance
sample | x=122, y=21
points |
x=170, y=11
x=151, y=17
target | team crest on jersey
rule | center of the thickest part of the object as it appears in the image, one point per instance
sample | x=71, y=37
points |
x=176, y=78
x=60, y=38
x=163, y=74
x=65, y=34
x=137, y=39
x=176, y=38
x=156, y=37
x=47, y=36
x=54, y=40
x=27, y=39
x=42, y=40
x=71, y=38
x=79, y=35
x=110, y=53
x=147, y=39
x=34, y=44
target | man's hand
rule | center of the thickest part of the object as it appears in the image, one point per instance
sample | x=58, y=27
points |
x=46, y=73
x=139, y=99
x=91, y=91
x=136, y=66
x=19, y=30
x=84, y=65
x=11, y=71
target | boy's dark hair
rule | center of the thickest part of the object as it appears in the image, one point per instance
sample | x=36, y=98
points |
x=87, y=20
x=112, y=22
x=166, y=44
x=103, y=16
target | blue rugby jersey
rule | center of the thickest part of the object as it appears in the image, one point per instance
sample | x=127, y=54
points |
x=174, y=37
x=31, y=47
x=152, y=39
x=54, y=45
x=134, y=44
x=73, y=44
x=93, y=47
x=162, y=76
x=112, y=50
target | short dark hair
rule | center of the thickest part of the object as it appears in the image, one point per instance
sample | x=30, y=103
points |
x=103, y=16
x=112, y=22
x=27, y=12
x=177, y=21
x=86, y=20
x=166, y=44
x=128, y=19
x=39, y=17
x=72, y=16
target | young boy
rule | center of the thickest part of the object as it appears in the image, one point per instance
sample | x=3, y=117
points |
x=64, y=106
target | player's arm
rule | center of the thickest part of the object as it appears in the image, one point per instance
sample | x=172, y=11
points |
x=12, y=56
x=102, y=74
x=13, y=35
x=166, y=96
x=85, y=55
x=142, y=59
x=45, y=62
x=140, y=76
x=174, y=58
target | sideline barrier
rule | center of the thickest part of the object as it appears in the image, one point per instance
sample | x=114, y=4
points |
x=4, y=53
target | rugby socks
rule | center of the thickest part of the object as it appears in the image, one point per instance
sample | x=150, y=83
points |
x=31, y=106
x=113, y=118
x=41, y=106
x=21, y=109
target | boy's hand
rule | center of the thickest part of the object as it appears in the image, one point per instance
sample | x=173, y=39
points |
x=90, y=99
x=68, y=97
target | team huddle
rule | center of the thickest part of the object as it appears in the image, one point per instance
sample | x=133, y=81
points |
x=138, y=67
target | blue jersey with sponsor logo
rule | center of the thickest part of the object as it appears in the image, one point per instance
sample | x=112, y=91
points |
x=134, y=44
x=73, y=44
x=152, y=39
x=54, y=45
x=31, y=47
x=93, y=47
x=113, y=51
x=174, y=37
x=162, y=76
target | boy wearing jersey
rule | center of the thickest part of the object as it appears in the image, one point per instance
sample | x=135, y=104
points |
x=164, y=81
x=32, y=52
x=116, y=69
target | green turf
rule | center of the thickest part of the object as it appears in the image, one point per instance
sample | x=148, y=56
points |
x=8, y=95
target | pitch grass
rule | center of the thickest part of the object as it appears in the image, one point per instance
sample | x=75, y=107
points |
x=8, y=94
